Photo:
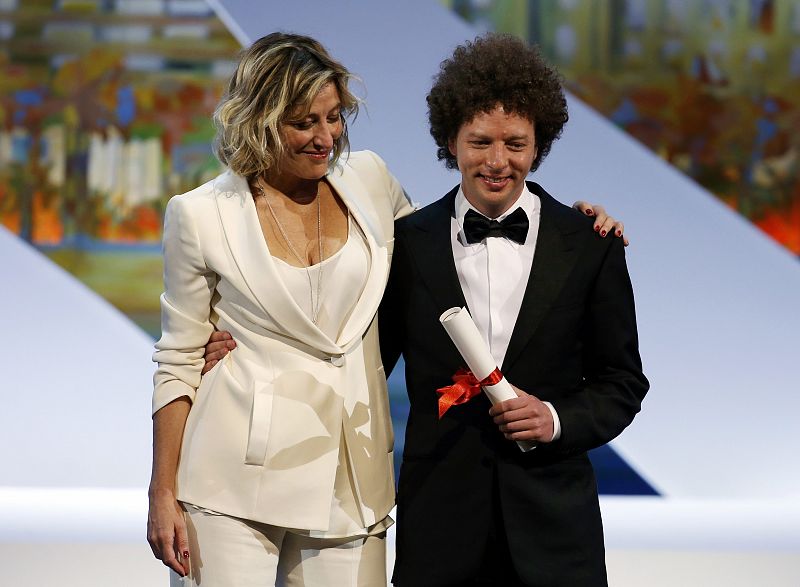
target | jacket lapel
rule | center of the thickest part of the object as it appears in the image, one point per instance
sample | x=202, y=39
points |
x=430, y=247
x=358, y=200
x=555, y=256
x=249, y=252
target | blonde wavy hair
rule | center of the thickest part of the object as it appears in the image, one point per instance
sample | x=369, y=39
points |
x=277, y=75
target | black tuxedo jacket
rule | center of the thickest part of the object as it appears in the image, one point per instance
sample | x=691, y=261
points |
x=574, y=345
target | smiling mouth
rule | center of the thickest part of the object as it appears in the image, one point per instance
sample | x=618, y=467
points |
x=494, y=180
x=317, y=154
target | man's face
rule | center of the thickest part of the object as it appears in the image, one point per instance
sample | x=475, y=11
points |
x=495, y=151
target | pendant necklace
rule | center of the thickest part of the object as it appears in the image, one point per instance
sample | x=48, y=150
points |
x=315, y=299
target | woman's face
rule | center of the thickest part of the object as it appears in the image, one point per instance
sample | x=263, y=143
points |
x=309, y=137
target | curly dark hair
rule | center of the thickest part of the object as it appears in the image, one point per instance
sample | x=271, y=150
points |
x=496, y=70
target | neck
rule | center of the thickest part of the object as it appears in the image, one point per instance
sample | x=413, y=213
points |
x=301, y=191
x=490, y=209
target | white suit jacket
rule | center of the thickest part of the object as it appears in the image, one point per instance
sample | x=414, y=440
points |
x=263, y=434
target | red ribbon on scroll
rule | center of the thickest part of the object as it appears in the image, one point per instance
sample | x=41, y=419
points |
x=465, y=387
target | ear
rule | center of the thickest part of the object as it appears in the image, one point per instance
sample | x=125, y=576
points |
x=451, y=146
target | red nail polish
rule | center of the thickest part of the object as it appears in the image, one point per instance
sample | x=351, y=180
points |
x=185, y=554
x=619, y=233
x=596, y=228
x=602, y=233
x=589, y=212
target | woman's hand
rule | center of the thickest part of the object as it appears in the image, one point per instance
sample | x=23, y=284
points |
x=166, y=531
x=217, y=347
x=603, y=223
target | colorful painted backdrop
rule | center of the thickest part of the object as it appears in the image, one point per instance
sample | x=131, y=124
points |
x=105, y=111
x=712, y=86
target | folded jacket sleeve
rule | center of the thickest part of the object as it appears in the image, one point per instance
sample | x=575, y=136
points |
x=185, y=307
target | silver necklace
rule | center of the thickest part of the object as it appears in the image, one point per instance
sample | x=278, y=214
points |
x=315, y=300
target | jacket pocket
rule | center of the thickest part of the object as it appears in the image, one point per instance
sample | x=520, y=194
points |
x=260, y=422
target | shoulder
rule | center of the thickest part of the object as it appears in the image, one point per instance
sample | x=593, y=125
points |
x=567, y=218
x=432, y=216
x=565, y=215
x=201, y=199
x=367, y=165
x=367, y=171
x=363, y=160
x=574, y=226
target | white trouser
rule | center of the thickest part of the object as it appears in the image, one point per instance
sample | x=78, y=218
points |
x=227, y=552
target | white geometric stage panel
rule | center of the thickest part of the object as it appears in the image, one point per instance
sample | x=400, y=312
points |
x=77, y=379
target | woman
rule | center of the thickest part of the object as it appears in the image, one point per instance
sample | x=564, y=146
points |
x=276, y=467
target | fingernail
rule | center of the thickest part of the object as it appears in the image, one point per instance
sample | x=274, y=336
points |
x=185, y=554
x=596, y=228
x=619, y=233
x=602, y=233
x=589, y=211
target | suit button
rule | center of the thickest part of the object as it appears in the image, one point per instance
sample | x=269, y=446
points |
x=337, y=360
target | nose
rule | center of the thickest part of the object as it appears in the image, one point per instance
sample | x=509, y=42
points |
x=325, y=136
x=496, y=159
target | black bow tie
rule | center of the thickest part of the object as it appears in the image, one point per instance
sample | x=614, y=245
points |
x=477, y=227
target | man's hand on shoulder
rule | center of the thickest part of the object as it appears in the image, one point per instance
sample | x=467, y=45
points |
x=218, y=345
x=524, y=418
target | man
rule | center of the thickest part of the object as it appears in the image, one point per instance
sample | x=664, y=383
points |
x=555, y=305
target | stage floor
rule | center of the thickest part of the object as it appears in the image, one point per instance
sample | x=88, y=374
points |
x=95, y=537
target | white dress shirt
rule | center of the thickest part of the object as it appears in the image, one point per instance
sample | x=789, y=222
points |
x=494, y=274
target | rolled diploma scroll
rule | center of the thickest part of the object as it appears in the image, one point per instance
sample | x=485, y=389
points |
x=464, y=334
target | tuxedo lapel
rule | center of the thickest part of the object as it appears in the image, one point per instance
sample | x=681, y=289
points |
x=555, y=256
x=431, y=249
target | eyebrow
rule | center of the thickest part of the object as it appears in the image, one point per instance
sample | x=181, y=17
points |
x=480, y=135
x=311, y=115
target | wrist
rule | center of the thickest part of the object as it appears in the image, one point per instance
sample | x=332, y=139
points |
x=160, y=491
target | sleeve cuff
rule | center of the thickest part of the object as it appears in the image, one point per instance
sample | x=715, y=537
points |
x=556, y=421
x=169, y=391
